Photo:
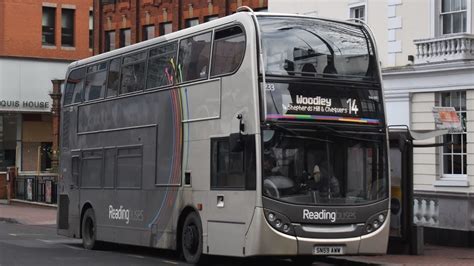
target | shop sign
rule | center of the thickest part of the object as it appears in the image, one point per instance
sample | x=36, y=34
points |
x=35, y=105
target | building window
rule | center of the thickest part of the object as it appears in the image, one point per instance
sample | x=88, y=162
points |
x=125, y=37
x=109, y=40
x=358, y=12
x=48, y=22
x=454, y=156
x=148, y=32
x=192, y=22
x=67, y=27
x=166, y=28
x=453, y=16
x=91, y=29
x=210, y=18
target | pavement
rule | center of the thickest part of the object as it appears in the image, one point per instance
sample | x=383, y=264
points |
x=26, y=213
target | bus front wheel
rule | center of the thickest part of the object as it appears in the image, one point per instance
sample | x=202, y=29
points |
x=191, y=238
x=89, y=230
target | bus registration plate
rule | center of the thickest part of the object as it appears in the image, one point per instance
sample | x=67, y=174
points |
x=328, y=250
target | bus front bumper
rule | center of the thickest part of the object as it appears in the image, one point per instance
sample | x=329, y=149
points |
x=263, y=240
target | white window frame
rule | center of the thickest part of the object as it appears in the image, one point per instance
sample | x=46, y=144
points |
x=358, y=5
x=436, y=22
x=451, y=14
x=447, y=179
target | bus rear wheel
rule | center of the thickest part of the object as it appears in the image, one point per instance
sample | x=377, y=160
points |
x=89, y=230
x=191, y=238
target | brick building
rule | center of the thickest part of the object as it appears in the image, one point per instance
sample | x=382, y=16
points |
x=123, y=22
x=38, y=39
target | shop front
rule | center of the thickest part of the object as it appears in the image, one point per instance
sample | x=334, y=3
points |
x=26, y=135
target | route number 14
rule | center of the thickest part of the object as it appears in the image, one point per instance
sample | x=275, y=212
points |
x=352, y=106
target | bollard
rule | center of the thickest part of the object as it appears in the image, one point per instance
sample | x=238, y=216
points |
x=418, y=240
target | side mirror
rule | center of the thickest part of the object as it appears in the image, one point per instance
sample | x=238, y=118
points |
x=236, y=142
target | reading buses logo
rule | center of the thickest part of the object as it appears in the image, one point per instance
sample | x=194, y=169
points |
x=119, y=214
x=330, y=216
x=126, y=215
x=321, y=215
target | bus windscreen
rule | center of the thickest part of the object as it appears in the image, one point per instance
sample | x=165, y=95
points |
x=316, y=48
x=323, y=168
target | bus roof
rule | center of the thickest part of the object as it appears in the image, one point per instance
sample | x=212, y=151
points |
x=173, y=35
x=189, y=31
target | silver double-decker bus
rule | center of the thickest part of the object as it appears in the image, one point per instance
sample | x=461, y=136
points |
x=256, y=134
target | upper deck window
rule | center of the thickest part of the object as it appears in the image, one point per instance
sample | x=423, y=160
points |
x=74, y=84
x=95, y=81
x=114, y=77
x=133, y=73
x=228, y=51
x=316, y=48
x=161, y=66
x=194, y=57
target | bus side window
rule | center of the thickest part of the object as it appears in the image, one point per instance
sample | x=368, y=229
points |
x=95, y=82
x=228, y=51
x=75, y=170
x=133, y=73
x=161, y=66
x=114, y=77
x=227, y=167
x=109, y=167
x=73, y=90
x=91, y=169
x=194, y=57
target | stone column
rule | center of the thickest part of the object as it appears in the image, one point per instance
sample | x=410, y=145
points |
x=56, y=113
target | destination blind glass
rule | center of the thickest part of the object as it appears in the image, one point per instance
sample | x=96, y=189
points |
x=330, y=103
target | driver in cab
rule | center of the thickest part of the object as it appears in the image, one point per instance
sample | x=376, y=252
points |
x=320, y=181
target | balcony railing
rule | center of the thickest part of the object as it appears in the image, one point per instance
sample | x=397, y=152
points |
x=459, y=47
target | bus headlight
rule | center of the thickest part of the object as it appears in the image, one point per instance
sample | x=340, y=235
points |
x=279, y=222
x=375, y=222
x=271, y=217
x=381, y=218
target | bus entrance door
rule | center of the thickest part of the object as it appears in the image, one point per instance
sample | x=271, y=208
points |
x=405, y=236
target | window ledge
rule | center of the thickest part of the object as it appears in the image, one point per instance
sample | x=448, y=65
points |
x=68, y=48
x=452, y=182
x=46, y=46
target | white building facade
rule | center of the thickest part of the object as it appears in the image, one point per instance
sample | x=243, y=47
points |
x=426, y=49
